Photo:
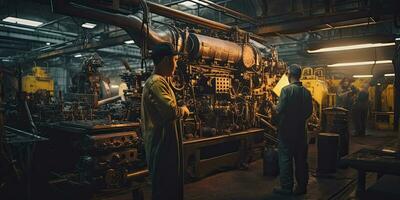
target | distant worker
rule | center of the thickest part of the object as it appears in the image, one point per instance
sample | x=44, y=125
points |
x=360, y=111
x=345, y=94
x=293, y=110
x=159, y=114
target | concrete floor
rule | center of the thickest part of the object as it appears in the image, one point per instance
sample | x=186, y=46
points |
x=252, y=185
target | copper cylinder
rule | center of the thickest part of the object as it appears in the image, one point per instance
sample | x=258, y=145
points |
x=209, y=49
x=213, y=49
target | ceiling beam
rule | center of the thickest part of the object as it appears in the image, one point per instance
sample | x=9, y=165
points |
x=81, y=47
x=305, y=24
x=30, y=37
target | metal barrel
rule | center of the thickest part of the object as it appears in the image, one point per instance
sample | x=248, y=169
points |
x=327, y=144
x=336, y=120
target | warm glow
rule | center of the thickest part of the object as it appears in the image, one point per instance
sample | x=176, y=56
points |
x=361, y=63
x=389, y=75
x=363, y=76
x=351, y=47
x=114, y=86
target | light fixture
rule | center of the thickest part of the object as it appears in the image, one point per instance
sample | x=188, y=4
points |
x=397, y=39
x=193, y=3
x=378, y=84
x=201, y=2
x=88, y=25
x=388, y=75
x=360, y=63
x=129, y=42
x=363, y=76
x=48, y=43
x=78, y=55
x=114, y=86
x=351, y=47
x=26, y=22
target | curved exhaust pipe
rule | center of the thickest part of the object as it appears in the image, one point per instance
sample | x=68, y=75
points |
x=131, y=24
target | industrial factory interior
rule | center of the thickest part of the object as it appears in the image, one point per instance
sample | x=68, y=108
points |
x=199, y=99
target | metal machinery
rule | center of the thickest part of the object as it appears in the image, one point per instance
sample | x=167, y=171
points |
x=314, y=81
x=224, y=77
x=89, y=80
x=99, y=153
x=37, y=81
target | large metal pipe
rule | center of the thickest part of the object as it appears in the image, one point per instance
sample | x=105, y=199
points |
x=131, y=24
x=213, y=49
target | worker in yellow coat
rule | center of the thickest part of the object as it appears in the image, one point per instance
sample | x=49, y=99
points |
x=159, y=114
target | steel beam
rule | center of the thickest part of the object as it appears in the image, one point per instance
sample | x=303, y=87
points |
x=23, y=33
x=228, y=11
x=301, y=25
x=29, y=36
x=53, y=21
x=71, y=49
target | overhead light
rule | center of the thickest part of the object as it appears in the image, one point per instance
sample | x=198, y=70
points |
x=378, y=84
x=129, y=42
x=48, y=43
x=78, y=55
x=363, y=76
x=201, y=2
x=387, y=75
x=397, y=39
x=6, y=60
x=188, y=4
x=360, y=63
x=26, y=22
x=193, y=3
x=114, y=86
x=351, y=47
x=88, y=25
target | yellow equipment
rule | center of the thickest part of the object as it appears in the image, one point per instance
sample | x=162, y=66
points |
x=314, y=81
x=383, y=119
x=38, y=80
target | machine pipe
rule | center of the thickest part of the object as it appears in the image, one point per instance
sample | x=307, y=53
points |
x=131, y=24
x=198, y=47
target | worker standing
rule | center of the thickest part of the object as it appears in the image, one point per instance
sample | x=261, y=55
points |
x=360, y=111
x=345, y=93
x=293, y=110
x=159, y=114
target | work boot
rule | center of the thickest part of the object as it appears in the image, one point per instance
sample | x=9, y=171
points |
x=282, y=191
x=300, y=191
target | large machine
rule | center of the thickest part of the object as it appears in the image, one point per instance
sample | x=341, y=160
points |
x=225, y=77
x=38, y=81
